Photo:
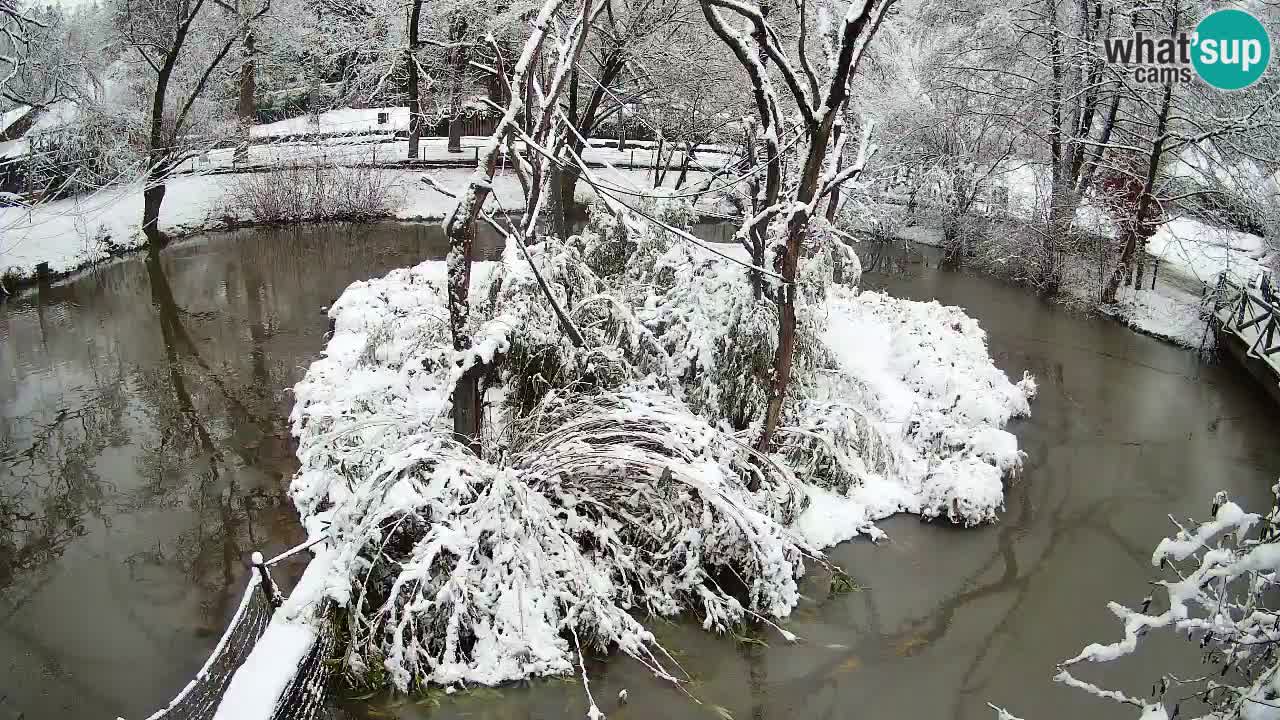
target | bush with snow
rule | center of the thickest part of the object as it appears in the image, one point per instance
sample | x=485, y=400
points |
x=617, y=475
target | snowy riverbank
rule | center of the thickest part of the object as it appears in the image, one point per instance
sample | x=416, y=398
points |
x=1184, y=256
x=76, y=232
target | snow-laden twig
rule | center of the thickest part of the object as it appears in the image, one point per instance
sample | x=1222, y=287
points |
x=1220, y=602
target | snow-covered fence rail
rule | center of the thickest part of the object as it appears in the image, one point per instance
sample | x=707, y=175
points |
x=1245, y=319
x=269, y=663
x=1250, y=314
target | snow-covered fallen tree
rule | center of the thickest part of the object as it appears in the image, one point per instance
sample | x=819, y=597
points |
x=610, y=482
x=1219, y=596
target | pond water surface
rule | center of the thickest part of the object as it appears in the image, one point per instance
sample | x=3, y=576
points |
x=144, y=452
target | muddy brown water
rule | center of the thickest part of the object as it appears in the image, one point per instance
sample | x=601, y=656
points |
x=144, y=452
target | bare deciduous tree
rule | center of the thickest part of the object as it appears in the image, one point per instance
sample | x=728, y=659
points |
x=162, y=33
x=819, y=101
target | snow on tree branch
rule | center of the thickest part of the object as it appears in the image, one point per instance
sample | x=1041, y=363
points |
x=1220, y=600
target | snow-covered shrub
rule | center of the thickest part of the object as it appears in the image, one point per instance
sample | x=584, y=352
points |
x=702, y=311
x=616, y=482
x=836, y=444
x=98, y=148
x=456, y=569
x=538, y=356
x=311, y=192
x=605, y=243
x=1218, y=595
x=922, y=371
x=612, y=249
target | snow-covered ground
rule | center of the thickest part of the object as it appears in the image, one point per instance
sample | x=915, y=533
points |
x=75, y=232
x=1200, y=251
x=1166, y=311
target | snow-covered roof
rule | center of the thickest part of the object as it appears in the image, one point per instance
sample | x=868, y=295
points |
x=10, y=117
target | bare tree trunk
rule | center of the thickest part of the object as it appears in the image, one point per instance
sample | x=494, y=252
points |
x=157, y=154
x=684, y=164
x=658, y=175
x=414, y=101
x=245, y=107
x=1062, y=212
x=1139, y=223
x=797, y=228
x=952, y=246
x=457, y=31
x=161, y=146
x=560, y=209
x=152, y=198
x=834, y=203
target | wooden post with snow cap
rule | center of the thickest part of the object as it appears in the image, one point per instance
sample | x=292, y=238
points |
x=268, y=585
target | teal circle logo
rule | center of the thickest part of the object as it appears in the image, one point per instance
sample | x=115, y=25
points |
x=1231, y=49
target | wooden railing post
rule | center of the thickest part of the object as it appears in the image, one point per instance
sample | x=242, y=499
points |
x=268, y=585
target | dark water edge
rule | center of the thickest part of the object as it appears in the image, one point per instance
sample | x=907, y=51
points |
x=145, y=451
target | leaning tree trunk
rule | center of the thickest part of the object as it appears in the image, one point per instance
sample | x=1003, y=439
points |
x=460, y=226
x=157, y=157
x=684, y=164
x=414, y=101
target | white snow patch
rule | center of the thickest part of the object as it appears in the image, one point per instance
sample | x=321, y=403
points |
x=939, y=396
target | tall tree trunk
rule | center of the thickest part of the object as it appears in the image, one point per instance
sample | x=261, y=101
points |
x=245, y=107
x=157, y=156
x=414, y=101
x=559, y=208
x=1062, y=212
x=797, y=228
x=457, y=31
x=568, y=189
x=585, y=122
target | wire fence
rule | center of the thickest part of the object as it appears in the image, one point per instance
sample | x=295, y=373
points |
x=305, y=695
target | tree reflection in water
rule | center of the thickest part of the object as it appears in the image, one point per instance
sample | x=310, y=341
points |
x=144, y=453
